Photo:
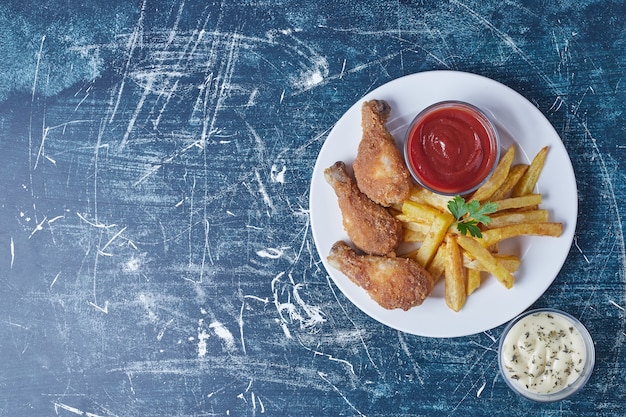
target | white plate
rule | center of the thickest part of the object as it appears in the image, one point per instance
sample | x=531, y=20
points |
x=517, y=121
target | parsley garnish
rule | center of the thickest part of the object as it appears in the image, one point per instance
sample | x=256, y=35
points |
x=469, y=215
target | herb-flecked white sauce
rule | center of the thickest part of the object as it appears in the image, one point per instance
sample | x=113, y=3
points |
x=544, y=353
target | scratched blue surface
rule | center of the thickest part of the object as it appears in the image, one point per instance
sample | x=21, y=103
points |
x=156, y=257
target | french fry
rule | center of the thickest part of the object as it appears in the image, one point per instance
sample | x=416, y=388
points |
x=413, y=231
x=435, y=236
x=418, y=227
x=526, y=201
x=528, y=181
x=493, y=236
x=427, y=197
x=473, y=280
x=498, y=177
x=412, y=224
x=510, y=218
x=510, y=262
x=438, y=264
x=454, y=275
x=491, y=264
x=419, y=212
x=413, y=236
x=515, y=173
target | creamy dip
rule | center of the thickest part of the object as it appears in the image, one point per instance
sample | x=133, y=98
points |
x=543, y=353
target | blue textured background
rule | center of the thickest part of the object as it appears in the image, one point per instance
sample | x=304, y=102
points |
x=155, y=158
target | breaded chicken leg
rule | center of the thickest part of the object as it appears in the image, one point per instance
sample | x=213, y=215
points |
x=379, y=168
x=370, y=227
x=391, y=282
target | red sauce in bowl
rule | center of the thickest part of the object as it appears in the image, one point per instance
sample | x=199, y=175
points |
x=451, y=148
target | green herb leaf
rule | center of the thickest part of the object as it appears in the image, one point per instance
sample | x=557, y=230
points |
x=458, y=207
x=481, y=212
x=469, y=215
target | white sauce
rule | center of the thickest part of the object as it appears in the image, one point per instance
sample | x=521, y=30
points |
x=543, y=353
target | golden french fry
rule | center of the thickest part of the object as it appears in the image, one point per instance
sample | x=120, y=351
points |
x=473, y=280
x=454, y=275
x=419, y=212
x=529, y=200
x=510, y=262
x=438, y=264
x=413, y=236
x=515, y=173
x=412, y=224
x=427, y=197
x=413, y=231
x=496, y=235
x=497, y=178
x=417, y=227
x=435, y=236
x=509, y=218
x=491, y=264
x=528, y=181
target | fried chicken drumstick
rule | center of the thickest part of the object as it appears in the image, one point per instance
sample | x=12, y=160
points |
x=370, y=227
x=391, y=282
x=379, y=168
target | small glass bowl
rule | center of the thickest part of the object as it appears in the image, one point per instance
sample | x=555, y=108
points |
x=566, y=391
x=434, y=180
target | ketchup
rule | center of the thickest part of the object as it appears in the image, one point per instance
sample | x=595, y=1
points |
x=451, y=148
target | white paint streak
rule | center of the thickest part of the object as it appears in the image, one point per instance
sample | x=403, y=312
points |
x=73, y=410
x=115, y=236
x=240, y=322
x=312, y=76
x=580, y=250
x=369, y=356
x=254, y=297
x=311, y=316
x=407, y=351
x=132, y=265
x=480, y=390
x=341, y=394
x=223, y=333
x=278, y=176
x=55, y=219
x=38, y=228
x=490, y=336
x=314, y=313
x=203, y=336
x=483, y=346
x=55, y=280
x=104, y=309
x=132, y=43
x=283, y=326
x=330, y=357
x=96, y=223
x=271, y=253
x=44, y=136
x=162, y=331
x=148, y=304
x=12, y=252
x=263, y=191
x=131, y=123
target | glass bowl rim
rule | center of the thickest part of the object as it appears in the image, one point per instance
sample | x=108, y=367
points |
x=485, y=119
